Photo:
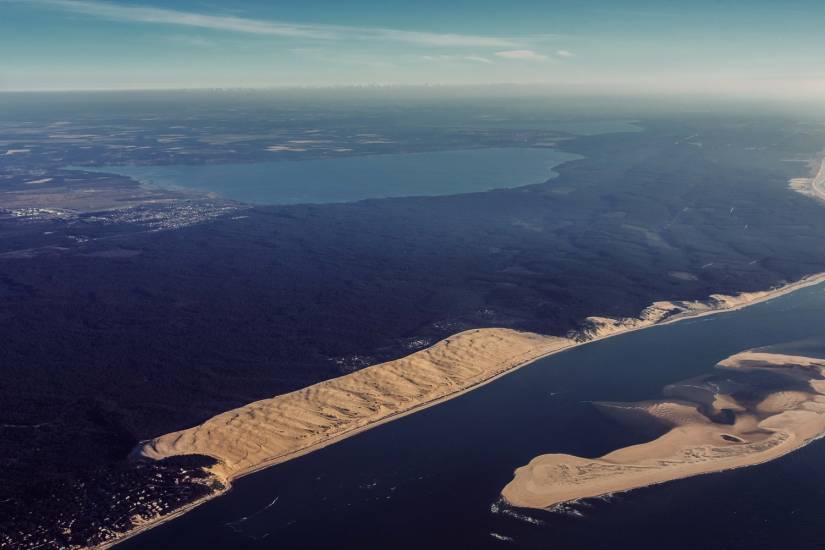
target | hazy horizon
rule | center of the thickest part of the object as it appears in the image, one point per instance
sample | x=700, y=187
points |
x=707, y=48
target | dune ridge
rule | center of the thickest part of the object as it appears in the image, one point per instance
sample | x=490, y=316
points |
x=766, y=428
x=267, y=431
x=273, y=430
x=666, y=310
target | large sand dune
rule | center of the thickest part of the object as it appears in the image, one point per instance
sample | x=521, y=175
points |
x=765, y=428
x=273, y=430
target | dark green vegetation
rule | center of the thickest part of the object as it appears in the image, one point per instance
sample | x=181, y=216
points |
x=90, y=506
x=112, y=333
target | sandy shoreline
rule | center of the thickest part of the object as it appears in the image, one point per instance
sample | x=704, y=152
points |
x=813, y=186
x=767, y=424
x=272, y=431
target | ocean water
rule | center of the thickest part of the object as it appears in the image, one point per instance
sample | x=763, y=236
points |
x=432, y=479
x=356, y=178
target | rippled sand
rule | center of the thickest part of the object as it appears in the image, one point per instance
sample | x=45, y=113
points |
x=272, y=430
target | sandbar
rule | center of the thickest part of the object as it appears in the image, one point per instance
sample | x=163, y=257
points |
x=763, y=424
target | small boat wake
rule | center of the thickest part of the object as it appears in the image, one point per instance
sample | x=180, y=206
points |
x=236, y=525
x=503, y=538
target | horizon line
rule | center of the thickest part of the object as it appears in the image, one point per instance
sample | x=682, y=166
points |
x=553, y=87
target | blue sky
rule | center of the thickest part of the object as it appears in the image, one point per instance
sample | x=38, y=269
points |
x=722, y=46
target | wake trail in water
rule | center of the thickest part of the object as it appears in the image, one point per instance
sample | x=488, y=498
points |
x=234, y=524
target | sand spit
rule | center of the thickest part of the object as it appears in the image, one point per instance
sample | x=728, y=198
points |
x=766, y=424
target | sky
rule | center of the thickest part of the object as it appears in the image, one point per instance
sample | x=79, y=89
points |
x=700, y=46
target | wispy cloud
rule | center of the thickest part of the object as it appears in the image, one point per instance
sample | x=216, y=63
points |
x=526, y=55
x=162, y=16
x=564, y=53
x=477, y=59
x=455, y=58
